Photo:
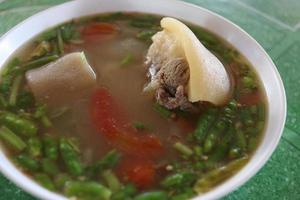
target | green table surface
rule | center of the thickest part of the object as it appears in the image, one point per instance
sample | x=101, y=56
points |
x=275, y=24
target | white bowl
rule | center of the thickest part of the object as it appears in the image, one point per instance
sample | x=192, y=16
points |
x=243, y=42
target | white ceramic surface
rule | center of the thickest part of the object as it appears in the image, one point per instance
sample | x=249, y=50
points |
x=267, y=71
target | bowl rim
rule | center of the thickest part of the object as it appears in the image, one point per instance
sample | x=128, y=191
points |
x=21, y=180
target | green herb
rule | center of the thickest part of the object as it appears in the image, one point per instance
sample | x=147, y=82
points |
x=127, y=59
x=162, y=110
x=145, y=34
x=41, y=49
x=139, y=126
x=179, y=180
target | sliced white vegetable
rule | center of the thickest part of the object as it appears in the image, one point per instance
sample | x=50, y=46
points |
x=63, y=78
x=208, y=80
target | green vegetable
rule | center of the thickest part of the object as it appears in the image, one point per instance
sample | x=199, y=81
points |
x=3, y=102
x=162, y=110
x=48, y=35
x=34, y=147
x=179, y=180
x=49, y=166
x=12, y=139
x=139, y=126
x=41, y=114
x=38, y=63
x=127, y=59
x=27, y=162
x=218, y=175
x=45, y=181
x=70, y=158
x=185, y=150
x=61, y=179
x=69, y=32
x=144, y=22
x=241, y=141
x=109, y=160
x=87, y=190
x=155, y=195
x=50, y=147
x=111, y=180
x=41, y=49
x=60, y=42
x=18, y=125
x=248, y=82
x=5, y=85
x=213, y=135
x=15, y=90
x=145, y=34
x=125, y=193
x=25, y=100
x=204, y=124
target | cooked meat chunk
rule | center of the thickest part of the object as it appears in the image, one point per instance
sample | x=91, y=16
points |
x=170, y=83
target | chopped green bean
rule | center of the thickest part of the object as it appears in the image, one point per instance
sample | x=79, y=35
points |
x=61, y=179
x=178, y=180
x=34, y=147
x=15, y=90
x=70, y=158
x=155, y=195
x=109, y=160
x=50, y=147
x=18, y=125
x=125, y=193
x=41, y=114
x=60, y=42
x=27, y=162
x=185, y=150
x=87, y=190
x=12, y=139
x=203, y=124
x=25, y=100
x=112, y=181
x=45, y=181
x=49, y=166
x=216, y=176
x=241, y=141
x=38, y=62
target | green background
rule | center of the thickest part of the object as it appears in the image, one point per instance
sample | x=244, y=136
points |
x=275, y=24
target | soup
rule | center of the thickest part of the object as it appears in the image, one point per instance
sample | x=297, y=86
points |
x=110, y=139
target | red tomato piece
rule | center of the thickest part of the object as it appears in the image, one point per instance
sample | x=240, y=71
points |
x=250, y=99
x=140, y=172
x=110, y=120
x=99, y=28
x=105, y=115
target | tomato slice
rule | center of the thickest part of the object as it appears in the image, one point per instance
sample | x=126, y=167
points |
x=98, y=28
x=109, y=119
x=249, y=99
x=140, y=172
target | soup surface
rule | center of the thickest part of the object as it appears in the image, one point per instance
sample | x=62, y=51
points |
x=113, y=141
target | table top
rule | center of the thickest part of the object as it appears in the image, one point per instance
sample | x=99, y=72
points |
x=275, y=24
